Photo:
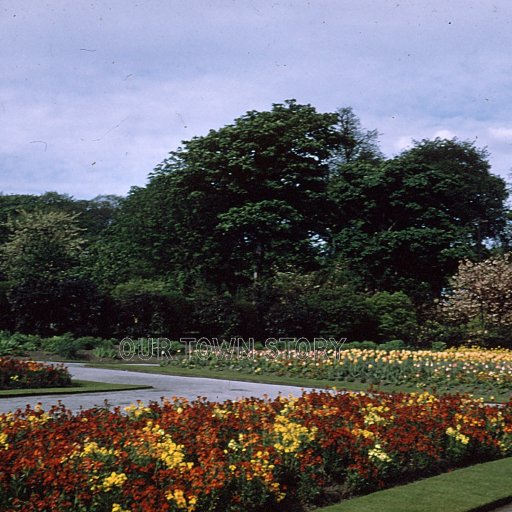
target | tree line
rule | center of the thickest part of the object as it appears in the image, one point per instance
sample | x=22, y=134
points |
x=287, y=222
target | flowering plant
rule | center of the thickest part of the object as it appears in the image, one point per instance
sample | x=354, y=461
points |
x=246, y=455
x=19, y=374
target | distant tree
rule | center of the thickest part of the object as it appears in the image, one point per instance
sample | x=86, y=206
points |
x=41, y=246
x=94, y=215
x=404, y=224
x=355, y=144
x=396, y=316
x=481, y=291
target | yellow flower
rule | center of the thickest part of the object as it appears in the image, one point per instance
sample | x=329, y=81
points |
x=178, y=496
x=114, y=480
x=164, y=448
x=457, y=434
x=118, y=508
x=3, y=441
x=377, y=453
x=291, y=435
x=367, y=434
x=92, y=448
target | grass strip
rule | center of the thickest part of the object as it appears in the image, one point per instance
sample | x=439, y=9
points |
x=475, y=488
x=244, y=377
x=292, y=381
x=78, y=386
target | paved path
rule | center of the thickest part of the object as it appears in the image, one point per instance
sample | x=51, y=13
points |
x=505, y=508
x=163, y=385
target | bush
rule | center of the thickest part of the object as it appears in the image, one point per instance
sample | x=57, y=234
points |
x=17, y=344
x=105, y=349
x=396, y=316
x=65, y=346
x=16, y=374
x=56, y=307
x=393, y=345
x=6, y=316
x=434, y=331
x=438, y=346
x=214, y=316
x=152, y=314
x=344, y=313
x=361, y=345
x=315, y=305
x=293, y=318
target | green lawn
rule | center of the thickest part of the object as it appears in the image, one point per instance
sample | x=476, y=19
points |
x=78, y=386
x=285, y=380
x=480, y=487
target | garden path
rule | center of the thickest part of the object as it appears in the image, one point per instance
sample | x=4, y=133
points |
x=163, y=386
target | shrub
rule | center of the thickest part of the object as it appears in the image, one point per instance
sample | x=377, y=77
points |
x=105, y=349
x=56, y=307
x=64, y=345
x=396, y=316
x=393, y=345
x=17, y=344
x=152, y=314
x=214, y=316
x=16, y=374
x=89, y=342
x=6, y=315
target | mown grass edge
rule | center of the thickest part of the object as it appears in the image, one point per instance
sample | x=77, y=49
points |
x=81, y=386
x=477, y=488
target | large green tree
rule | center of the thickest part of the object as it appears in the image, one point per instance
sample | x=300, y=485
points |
x=239, y=203
x=405, y=223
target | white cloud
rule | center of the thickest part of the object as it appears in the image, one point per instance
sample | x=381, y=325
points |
x=501, y=134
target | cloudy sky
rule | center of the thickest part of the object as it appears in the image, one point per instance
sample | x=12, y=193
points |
x=94, y=94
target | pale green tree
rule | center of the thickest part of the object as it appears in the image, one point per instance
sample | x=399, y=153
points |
x=41, y=245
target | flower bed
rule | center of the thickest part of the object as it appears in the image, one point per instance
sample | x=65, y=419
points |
x=489, y=371
x=250, y=455
x=18, y=374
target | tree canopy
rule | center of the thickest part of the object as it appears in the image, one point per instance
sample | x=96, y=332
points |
x=241, y=200
x=230, y=219
x=406, y=222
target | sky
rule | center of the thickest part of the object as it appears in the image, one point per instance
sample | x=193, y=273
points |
x=94, y=94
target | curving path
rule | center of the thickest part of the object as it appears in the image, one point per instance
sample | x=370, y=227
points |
x=163, y=385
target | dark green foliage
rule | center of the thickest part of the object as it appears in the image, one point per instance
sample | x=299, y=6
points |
x=214, y=316
x=319, y=304
x=41, y=245
x=234, y=206
x=345, y=314
x=396, y=317
x=17, y=344
x=151, y=314
x=294, y=318
x=404, y=224
x=7, y=320
x=242, y=231
x=55, y=307
x=64, y=346
x=94, y=215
